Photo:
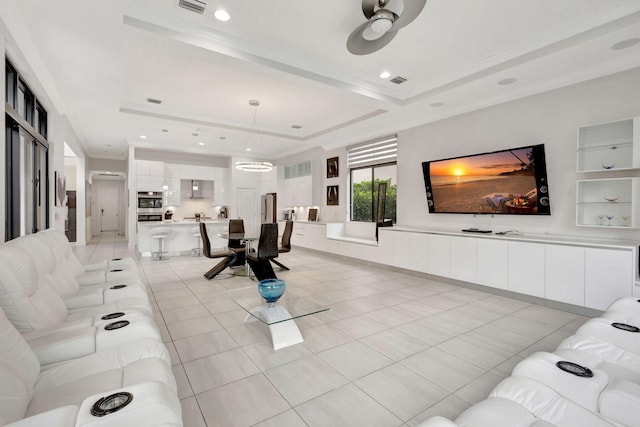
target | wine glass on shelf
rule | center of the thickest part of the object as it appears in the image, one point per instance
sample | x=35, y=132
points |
x=625, y=218
x=609, y=218
x=600, y=219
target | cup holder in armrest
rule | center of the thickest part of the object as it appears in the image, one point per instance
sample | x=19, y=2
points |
x=575, y=369
x=625, y=327
x=110, y=404
x=116, y=325
x=112, y=315
x=118, y=286
x=115, y=270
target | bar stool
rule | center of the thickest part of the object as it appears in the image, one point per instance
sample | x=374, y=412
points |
x=159, y=234
x=195, y=232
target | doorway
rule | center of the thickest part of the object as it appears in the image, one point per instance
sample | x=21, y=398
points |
x=109, y=206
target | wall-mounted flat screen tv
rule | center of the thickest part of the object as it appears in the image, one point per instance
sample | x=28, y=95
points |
x=512, y=181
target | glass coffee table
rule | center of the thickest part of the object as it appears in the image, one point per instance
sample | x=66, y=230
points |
x=279, y=316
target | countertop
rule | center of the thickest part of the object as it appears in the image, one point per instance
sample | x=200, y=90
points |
x=183, y=222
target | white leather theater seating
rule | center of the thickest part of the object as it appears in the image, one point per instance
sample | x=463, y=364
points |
x=109, y=271
x=62, y=366
x=602, y=387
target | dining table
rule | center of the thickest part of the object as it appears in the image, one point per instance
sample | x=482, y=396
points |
x=248, y=239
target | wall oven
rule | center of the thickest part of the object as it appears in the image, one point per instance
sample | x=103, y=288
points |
x=144, y=217
x=150, y=200
x=149, y=206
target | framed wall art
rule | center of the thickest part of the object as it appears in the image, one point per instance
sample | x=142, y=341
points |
x=332, y=195
x=332, y=167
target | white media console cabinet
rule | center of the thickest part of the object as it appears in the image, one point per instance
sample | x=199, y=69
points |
x=587, y=273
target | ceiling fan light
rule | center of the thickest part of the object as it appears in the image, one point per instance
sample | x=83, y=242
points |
x=382, y=25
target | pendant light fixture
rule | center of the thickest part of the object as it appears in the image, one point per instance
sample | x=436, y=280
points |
x=254, y=166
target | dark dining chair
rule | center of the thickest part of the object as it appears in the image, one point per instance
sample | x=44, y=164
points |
x=228, y=256
x=236, y=245
x=285, y=245
x=260, y=259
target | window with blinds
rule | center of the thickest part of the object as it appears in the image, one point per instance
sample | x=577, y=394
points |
x=372, y=166
x=374, y=152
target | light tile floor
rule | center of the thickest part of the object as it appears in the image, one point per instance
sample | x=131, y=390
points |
x=393, y=350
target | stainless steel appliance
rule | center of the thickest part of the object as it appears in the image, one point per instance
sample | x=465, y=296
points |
x=268, y=207
x=149, y=206
x=150, y=200
x=143, y=217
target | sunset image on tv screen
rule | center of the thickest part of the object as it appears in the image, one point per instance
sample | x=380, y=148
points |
x=501, y=182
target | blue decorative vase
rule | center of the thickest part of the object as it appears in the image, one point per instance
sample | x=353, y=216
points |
x=271, y=289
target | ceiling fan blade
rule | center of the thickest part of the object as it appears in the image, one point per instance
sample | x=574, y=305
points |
x=368, y=7
x=357, y=45
x=412, y=9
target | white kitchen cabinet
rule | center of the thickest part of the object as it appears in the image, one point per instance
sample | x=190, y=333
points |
x=609, y=146
x=608, y=202
x=298, y=191
x=438, y=255
x=149, y=175
x=492, y=263
x=206, y=173
x=173, y=192
x=156, y=183
x=565, y=273
x=172, y=170
x=142, y=183
x=221, y=190
x=156, y=169
x=526, y=268
x=608, y=276
x=410, y=251
x=463, y=258
x=298, y=235
x=188, y=172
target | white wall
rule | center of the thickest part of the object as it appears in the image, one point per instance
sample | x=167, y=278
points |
x=551, y=118
x=61, y=132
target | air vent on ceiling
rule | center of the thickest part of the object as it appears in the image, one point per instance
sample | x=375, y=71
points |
x=398, y=80
x=196, y=6
x=154, y=101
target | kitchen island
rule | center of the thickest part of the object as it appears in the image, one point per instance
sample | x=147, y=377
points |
x=180, y=241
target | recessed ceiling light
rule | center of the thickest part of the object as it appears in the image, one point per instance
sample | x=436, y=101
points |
x=248, y=149
x=143, y=136
x=222, y=15
x=385, y=75
x=624, y=44
x=436, y=104
x=507, y=81
x=200, y=143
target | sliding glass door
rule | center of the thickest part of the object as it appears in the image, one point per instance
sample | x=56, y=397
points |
x=27, y=184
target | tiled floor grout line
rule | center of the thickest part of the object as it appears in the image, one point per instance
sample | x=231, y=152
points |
x=352, y=300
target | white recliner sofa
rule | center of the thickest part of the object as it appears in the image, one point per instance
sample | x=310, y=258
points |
x=39, y=313
x=61, y=279
x=591, y=379
x=28, y=280
x=99, y=365
x=113, y=271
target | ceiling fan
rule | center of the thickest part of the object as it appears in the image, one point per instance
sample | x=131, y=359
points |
x=384, y=19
